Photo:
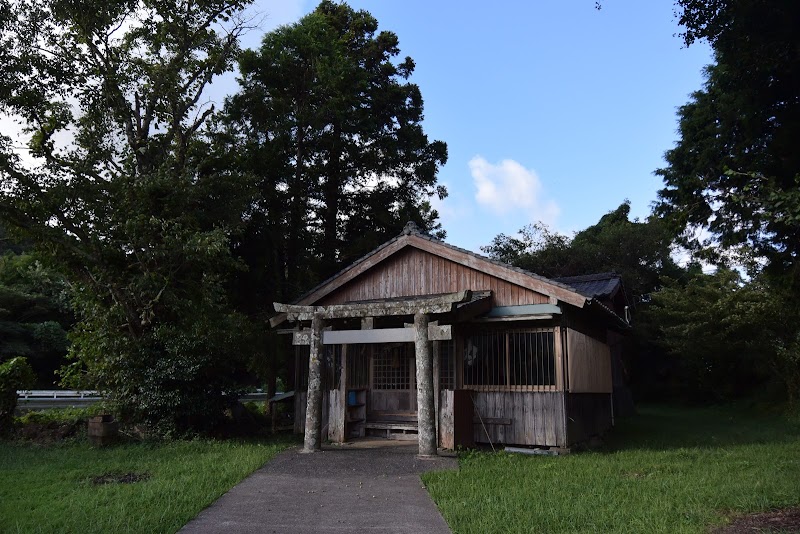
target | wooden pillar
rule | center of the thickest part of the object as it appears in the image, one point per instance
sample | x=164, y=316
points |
x=313, y=434
x=437, y=380
x=426, y=426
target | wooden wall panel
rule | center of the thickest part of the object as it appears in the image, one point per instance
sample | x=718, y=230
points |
x=336, y=415
x=413, y=272
x=588, y=364
x=589, y=414
x=300, y=398
x=445, y=419
x=392, y=401
x=520, y=418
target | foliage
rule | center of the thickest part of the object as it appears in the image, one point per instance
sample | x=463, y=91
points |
x=640, y=251
x=62, y=415
x=727, y=336
x=668, y=469
x=735, y=170
x=50, y=489
x=34, y=315
x=329, y=124
x=15, y=374
x=125, y=194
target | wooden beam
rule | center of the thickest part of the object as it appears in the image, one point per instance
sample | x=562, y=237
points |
x=492, y=420
x=511, y=318
x=380, y=335
x=428, y=305
x=477, y=306
x=278, y=319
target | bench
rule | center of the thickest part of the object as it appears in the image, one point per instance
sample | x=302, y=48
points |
x=403, y=430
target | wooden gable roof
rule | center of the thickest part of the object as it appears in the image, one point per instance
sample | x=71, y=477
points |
x=416, y=264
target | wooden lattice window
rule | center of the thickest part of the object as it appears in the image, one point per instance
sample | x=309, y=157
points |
x=331, y=366
x=516, y=359
x=485, y=359
x=532, y=358
x=358, y=365
x=391, y=367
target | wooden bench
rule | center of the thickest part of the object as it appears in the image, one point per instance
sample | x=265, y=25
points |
x=403, y=430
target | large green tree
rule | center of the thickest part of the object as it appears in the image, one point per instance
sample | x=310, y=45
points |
x=735, y=170
x=34, y=316
x=123, y=193
x=640, y=251
x=726, y=336
x=329, y=124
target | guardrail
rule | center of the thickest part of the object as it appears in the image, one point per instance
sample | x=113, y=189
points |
x=42, y=399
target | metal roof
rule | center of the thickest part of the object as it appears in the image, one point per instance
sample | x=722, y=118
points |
x=596, y=286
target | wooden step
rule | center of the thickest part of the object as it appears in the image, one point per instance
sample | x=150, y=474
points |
x=391, y=425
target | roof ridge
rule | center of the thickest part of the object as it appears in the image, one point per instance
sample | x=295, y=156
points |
x=590, y=277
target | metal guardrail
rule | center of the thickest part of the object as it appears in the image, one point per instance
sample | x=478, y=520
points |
x=41, y=399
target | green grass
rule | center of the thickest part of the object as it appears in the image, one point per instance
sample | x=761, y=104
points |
x=49, y=489
x=666, y=470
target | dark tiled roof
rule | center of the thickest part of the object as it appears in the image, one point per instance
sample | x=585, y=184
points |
x=595, y=286
x=413, y=229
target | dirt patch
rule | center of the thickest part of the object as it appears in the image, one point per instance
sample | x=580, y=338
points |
x=786, y=520
x=47, y=433
x=115, y=478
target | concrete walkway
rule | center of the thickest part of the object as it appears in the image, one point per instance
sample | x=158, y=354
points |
x=371, y=486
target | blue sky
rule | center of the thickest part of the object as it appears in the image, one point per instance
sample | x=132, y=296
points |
x=551, y=110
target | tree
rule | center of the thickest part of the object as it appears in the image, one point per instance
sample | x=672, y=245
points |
x=34, y=316
x=640, y=251
x=736, y=169
x=726, y=335
x=15, y=374
x=332, y=130
x=126, y=195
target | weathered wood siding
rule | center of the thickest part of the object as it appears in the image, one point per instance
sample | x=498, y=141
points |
x=588, y=363
x=392, y=401
x=520, y=418
x=445, y=420
x=336, y=415
x=414, y=272
x=455, y=419
x=300, y=399
x=588, y=414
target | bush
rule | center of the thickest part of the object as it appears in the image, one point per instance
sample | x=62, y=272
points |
x=15, y=374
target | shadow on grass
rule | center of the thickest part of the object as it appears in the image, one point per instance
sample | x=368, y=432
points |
x=659, y=427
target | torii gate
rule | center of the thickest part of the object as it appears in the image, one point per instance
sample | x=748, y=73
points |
x=421, y=309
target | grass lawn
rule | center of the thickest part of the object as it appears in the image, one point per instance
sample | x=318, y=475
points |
x=668, y=469
x=50, y=489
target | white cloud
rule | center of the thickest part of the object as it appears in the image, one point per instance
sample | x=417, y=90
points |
x=508, y=186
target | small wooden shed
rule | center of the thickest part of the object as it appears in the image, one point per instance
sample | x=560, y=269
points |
x=423, y=340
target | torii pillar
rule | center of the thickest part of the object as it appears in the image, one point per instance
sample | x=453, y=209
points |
x=426, y=410
x=420, y=308
x=312, y=441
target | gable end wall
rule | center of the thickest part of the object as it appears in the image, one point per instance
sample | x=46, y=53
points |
x=413, y=272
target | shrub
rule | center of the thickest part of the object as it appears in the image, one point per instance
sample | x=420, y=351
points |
x=15, y=374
